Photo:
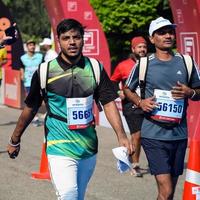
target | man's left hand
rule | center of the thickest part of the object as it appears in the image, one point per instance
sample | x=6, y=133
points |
x=181, y=91
x=124, y=141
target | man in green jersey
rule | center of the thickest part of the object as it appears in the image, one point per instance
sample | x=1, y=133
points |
x=71, y=87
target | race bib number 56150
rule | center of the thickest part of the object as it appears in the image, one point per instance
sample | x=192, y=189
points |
x=169, y=109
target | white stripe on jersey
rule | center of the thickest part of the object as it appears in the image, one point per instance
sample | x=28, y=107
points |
x=128, y=81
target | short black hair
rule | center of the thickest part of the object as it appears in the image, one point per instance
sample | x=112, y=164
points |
x=68, y=24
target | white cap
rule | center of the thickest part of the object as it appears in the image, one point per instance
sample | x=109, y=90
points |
x=159, y=23
x=123, y=162
x=46, y=41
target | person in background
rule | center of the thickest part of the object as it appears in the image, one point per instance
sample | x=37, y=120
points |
x=164, y=130
x=133, y=114
x=49, y=54
x=29, y=64
x=71, y=139
x=46, y=47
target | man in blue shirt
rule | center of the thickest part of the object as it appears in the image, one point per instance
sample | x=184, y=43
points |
x=29, y=64
x=167, y=90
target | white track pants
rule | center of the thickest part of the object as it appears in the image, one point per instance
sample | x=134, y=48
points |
x=70, y=177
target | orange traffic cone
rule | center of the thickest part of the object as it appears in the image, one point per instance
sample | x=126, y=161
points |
x=192, y=179
x=44, y=170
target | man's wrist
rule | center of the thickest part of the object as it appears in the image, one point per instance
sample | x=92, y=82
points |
x=193, y=94
x=122, y=136
x=139, y=103
x=15, y=139
x=13, y=143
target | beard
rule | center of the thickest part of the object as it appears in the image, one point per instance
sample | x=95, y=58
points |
x=137, y=56
x=71, y=58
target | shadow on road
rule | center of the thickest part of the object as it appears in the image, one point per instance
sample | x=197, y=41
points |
x=8, y=123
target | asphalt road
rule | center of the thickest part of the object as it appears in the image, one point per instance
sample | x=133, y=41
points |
x=106, y=184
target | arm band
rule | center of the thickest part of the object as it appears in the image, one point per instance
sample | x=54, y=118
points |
x=10, y=142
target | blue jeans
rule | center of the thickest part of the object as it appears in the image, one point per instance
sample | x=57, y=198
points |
x=70, y=177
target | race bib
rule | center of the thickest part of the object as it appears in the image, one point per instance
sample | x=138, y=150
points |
x=169, y=109
x=79, y=112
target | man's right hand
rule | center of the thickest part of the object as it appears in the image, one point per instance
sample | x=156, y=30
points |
x=13, y=151
x=124, y=141
x=121, y=94
x=148, y=104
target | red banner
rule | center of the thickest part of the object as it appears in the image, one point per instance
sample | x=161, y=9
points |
x=94, y=38
x=186, y=15
x=12, y=88
x=95, y=43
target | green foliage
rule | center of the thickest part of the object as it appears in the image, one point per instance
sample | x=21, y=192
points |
x=31, y=18
x=120, y=19
x=124, y=16
x=123, y=19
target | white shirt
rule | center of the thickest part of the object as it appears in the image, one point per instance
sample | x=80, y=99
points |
x=50, y=55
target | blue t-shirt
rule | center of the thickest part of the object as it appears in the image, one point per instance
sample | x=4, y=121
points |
x=30, y=66
x=164, y=75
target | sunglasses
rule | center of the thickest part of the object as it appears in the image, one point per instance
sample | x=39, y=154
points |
x=165, y=31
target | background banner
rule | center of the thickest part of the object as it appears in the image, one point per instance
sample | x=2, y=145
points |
x=95, y=43
x=186, y=15
x=12, y=88
x=94, y=38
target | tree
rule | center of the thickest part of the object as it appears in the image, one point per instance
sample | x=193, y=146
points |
x=120, y=19
x=123, y=19
x=31, y=18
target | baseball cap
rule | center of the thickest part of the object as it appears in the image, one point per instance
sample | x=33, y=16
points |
x=159, y=23
x=30, y=41
x=137, y=40
x=123, y=162
x=46, y=41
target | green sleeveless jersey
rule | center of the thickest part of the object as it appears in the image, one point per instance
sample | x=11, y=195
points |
x=75, y=82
